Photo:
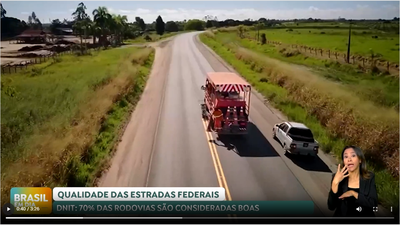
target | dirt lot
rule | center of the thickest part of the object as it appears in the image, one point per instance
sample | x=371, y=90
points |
x=10, y=48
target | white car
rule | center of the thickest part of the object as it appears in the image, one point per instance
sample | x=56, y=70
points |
x=296, y=138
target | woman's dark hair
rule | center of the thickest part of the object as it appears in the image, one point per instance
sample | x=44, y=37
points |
x=360, y=155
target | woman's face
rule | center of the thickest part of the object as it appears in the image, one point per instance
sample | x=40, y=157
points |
x=350, y=159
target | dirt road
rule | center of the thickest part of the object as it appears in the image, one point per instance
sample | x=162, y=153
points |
x=165, y=143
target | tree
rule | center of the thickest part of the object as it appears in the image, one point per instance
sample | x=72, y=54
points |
x=195, y=25
x=241, y=29
x=263, y=39
x=258, y=26
x=102, y=19
x=215, y=23
x=171, y=26
x=181, y=25
x=10, y=27
x=81, y=22
x=262, y=20
x=94, y=30
x=132, y=30
x=160, y=26
x=209, y=24
x=80, y=19
x=34, y=22
x=80, y=12
x=119, y=25
x=33, y=15
x=54, y=25
x=140, y=23
x=3, y=11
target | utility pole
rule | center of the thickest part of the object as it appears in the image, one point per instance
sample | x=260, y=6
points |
x=348, y=44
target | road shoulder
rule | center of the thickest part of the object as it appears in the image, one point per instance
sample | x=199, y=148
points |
x=136, y=145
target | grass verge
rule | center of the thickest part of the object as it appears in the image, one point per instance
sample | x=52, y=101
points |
x=84, y=170
x=53, y=112
x=333, y=124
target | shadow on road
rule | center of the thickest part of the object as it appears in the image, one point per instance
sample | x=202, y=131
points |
x=309, y=163
x=254, y=144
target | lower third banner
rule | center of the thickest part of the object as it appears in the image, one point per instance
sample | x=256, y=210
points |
x=245, y=208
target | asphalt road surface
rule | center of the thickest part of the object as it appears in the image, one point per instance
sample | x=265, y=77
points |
x=165, y=143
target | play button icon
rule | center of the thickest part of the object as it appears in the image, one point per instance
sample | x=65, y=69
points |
x=8, y=209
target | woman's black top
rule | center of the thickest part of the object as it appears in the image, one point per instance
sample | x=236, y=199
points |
x=352, y=205
x=367, y=199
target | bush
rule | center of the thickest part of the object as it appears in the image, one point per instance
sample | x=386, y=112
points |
x=263, y=39
x=195, y=25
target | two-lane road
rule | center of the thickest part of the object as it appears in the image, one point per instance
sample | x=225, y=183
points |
x=166, y=145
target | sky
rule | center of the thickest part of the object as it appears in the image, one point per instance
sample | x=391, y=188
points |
x=181, y=10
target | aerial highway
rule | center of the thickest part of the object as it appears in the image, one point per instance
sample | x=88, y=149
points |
x=165, y=144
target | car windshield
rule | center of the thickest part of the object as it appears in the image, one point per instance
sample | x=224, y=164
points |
x=301, y=132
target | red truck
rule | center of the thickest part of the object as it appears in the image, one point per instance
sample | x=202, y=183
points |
x=226, y=103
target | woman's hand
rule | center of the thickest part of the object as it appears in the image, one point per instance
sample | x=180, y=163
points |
x=347, y=194
x=340, y=175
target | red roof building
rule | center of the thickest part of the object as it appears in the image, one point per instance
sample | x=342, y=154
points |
x=32, y=33
x=32, y=36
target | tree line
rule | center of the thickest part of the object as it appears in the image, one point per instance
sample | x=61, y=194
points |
x=103, y=24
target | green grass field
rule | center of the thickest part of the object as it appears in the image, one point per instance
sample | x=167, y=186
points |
x=53, y=111
x=392, y=26
x=323, y=105
x=318, y=24
x=382, y=90
x=362, y=43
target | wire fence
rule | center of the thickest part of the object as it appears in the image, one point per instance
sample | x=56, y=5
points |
x=361, y=61
x=15, y=67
